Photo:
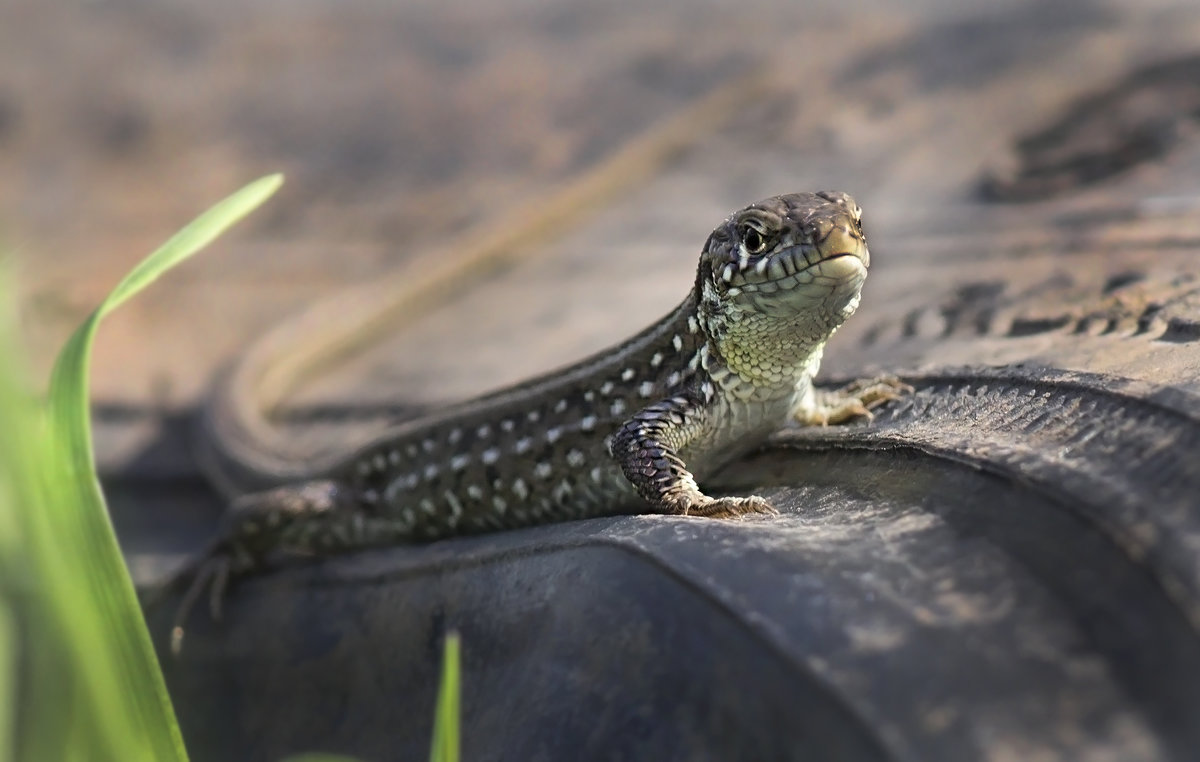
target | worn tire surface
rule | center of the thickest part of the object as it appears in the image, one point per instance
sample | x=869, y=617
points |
x=1001, y=566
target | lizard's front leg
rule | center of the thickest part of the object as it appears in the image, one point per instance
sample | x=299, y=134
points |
x=647, y=448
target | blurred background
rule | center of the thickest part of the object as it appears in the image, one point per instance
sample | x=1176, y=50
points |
x=971, y=133
x=400, y=124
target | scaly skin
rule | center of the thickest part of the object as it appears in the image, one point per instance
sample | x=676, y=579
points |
x=632, y=429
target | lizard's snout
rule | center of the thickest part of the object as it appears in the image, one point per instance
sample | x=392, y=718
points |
x=842, y=237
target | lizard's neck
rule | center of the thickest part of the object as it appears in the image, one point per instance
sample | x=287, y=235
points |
x=757, y=356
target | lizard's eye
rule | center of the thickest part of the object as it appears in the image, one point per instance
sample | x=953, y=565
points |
x=753, y=240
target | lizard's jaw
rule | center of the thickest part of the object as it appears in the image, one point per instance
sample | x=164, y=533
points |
x=802, y=280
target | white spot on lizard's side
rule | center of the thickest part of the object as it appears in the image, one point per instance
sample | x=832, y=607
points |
x=533, y=416
x=428, y=506
x=499, y=504
x=560, y=406
x=431, y=471
x=693, y=324
x=364, y=467
x=553, y=434
x=398, y=485
x=507, y=424
x=628, y=374
x=519, y=488
x=576, y=458
x=456, y=507
x=523, y=445
x=427, y=445
x=656, y=359
x=673, y=379
x=677, y=343
x=394, y=457
x=408, y=517
x=589, y=396
x=459, y=462
x=490, y=455
x=646, y=389
x=543, y=470
x=562, y=491
x=587, y=423
x=597, y=474
x=474, y=491
x=618, y=407
x=391, y=494
x=411, y=449
x=484, y=431
x=454, y=437
x=606, y=388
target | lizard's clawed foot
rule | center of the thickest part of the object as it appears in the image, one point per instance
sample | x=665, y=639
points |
x=211, y=571
x=852, y=401
x=731, y=507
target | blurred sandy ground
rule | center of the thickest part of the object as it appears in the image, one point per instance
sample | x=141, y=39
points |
x=398, y=124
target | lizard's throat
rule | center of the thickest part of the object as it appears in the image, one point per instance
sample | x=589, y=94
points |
x=775, y=351
x=775, y=361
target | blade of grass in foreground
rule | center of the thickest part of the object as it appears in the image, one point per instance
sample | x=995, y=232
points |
x=444, y=747
x=114, y=704
x=446, y=721
x=20, y=438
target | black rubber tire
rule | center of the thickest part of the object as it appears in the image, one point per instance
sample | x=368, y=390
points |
x=1001, y=565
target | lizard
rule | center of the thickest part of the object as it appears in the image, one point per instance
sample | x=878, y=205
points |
x=632, y=429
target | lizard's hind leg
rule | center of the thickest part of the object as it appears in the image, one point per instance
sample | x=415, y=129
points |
x=318, y=516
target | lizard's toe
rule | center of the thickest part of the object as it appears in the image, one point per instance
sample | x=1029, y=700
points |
x=733, y=507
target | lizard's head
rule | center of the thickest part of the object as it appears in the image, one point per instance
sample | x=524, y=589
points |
x=797, y=252
x=786, y=271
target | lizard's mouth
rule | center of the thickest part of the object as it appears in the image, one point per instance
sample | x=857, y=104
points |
x=796, y=266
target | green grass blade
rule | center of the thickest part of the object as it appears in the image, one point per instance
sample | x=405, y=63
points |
x=115, y=697
x=15, y=420
x=446, y=720
x=8, y=672
x=41, y=681
x=199, y=233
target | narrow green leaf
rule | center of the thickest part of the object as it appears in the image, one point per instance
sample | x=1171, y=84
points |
x=14, y=421
x=114, y=699
x=8, y=672
x=446, y=720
